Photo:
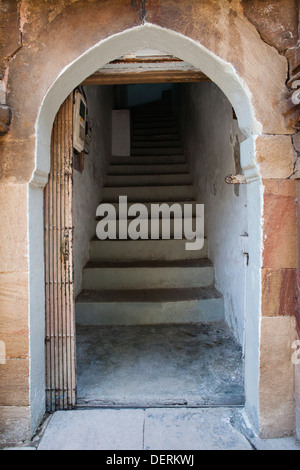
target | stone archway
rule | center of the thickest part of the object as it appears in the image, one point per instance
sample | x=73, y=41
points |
x=226, y=77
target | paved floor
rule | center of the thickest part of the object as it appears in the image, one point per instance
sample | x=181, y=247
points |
x=201, y=362
x=149, y=429
x=169, y=429
x=189, y=364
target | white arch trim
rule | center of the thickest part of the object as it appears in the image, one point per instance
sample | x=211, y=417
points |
x=147, y=35
x=238, y=93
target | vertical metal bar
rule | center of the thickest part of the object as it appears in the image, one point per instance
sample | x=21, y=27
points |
x=63, y=275
x=47, y=210
x=66, y=260
x=58, y=217
x=52, y=232
x=54, y=261
x=70, y=262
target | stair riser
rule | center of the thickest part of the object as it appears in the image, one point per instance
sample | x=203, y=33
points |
x=129, y=250
x=156, y=131
x=156, y=138
x=148, y=206
x=149, y=193
x=149, y=313
x=147, y=169
x=154, y=124
x=149, y=180
x=147, y=278
x=139, y=152
x=149, y=227
x=149, y=161
x=150, y=144
x=147, y=110
x=162, y=118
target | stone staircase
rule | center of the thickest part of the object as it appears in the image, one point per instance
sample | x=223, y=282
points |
x=140, y=282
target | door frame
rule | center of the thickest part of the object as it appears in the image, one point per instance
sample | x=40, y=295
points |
x=236, y=90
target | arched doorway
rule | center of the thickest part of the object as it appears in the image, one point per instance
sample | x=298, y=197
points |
x=225, y=76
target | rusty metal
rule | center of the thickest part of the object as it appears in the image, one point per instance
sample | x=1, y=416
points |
x=59, y=275
x=235, y=179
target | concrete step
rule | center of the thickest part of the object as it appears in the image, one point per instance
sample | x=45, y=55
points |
x=152, y=152
x=156, y=160
x=159, y=117
x=148, y=180
x=154, y=144
x=148, y=224
x=158, y=130
x=144, y=123
x=140, y=250
x=148, y=275
x=144, y=126
x=149, y=193
x=149, y=307
x=148, y=169
x=170, y=203
x=154, y=107
x=157, y=138
x=160, y=111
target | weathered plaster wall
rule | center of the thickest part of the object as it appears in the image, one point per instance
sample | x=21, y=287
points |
x=38, y=42
x=220, y=26
x=212, y=140
x=88, y=184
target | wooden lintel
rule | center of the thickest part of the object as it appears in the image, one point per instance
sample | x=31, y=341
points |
x=153, y=76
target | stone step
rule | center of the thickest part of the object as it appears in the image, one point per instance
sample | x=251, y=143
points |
x=149, y=117
x=148, y=275
x=154, y=124
x=144, y=123
x=159, y=151
x=153, y=144
x=141, y=250
x=148, y=224
x=152, y=111
x=153, y=105
x=148, y=180
x=156, y=130
x=146, y=160
x=148, y=205
x=149, y=307
x=157, y=138
x=148, y=169
x=149, y=193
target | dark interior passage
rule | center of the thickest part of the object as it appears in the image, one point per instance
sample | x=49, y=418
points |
x=157, y=324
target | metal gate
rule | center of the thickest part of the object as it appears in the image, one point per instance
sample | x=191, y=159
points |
x=59, y=269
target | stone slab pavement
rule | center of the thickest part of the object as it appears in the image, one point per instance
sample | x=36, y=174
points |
x=153, y=429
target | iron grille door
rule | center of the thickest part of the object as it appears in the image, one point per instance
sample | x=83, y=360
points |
x=59, y=267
